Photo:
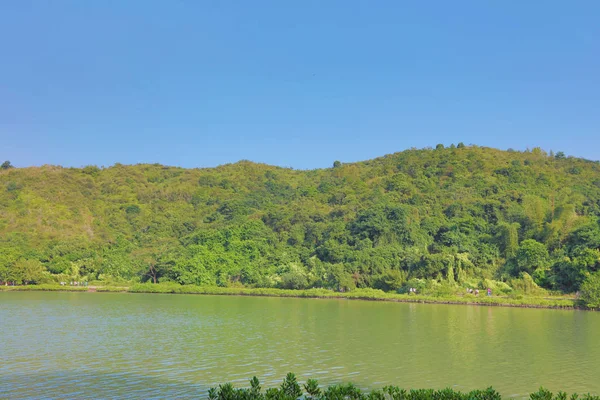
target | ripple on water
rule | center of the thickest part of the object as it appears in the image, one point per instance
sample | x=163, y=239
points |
x=67, y=345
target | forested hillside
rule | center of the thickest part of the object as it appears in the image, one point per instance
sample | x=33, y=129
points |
x=453, y=215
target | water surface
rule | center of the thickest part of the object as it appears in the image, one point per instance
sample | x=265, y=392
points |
x=112, y=345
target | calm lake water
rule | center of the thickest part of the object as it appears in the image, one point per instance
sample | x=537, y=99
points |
x=97, y=345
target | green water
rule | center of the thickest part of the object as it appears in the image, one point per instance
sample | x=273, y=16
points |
x=156, y=346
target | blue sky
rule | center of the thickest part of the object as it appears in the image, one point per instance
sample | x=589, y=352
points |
x=299, y=84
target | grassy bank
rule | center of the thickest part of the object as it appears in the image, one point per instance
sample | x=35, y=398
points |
x=362, y=294
x=291, y=389
x=562, y=302
x=44, y=287
x=112, y=289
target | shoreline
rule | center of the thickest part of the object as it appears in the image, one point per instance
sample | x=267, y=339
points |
x=558, y=303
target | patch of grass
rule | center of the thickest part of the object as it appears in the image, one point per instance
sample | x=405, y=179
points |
x=43, y=287
x=357, y=294
x=112, y=289
x=360, y=294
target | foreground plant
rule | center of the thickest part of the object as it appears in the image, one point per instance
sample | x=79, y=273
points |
x=290, y=390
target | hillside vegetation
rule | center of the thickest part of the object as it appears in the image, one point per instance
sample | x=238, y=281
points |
x=432, y=219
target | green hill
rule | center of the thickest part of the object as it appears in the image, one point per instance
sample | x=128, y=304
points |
x=449, y=215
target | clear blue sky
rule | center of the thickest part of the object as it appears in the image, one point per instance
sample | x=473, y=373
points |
x=294, y=83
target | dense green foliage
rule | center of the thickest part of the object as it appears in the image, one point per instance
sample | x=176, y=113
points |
x=436, y=220
x=590, y=291
x=290, y=389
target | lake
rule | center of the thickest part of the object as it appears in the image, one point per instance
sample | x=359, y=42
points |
x=116, y=345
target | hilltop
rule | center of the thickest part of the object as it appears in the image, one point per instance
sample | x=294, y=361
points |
x=430, y=218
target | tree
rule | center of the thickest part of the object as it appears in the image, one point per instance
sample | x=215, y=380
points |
x=590, y=291
x=450, y=274
x=6, y=165
x=5, y=273
x=294, y=279
x=509, y=239
x=157, y=258
x=28, y=271
x=394, y=279
x=439, y=146
x=337, y=164
x=532, y=255
x=340, y=279
x=560, y=155
x=460, y=145
x=133, y=209
x=538, y=151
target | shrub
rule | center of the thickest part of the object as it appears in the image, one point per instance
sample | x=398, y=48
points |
x=293, y=280
x=590, y=291
x=6, y=165
x=526, y=285
x=133, y=209
x=416, y=283
x=443, y=290
x=290, y=390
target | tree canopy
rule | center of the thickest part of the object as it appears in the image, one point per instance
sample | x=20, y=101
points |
x=6, y=165
x=455, y=214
